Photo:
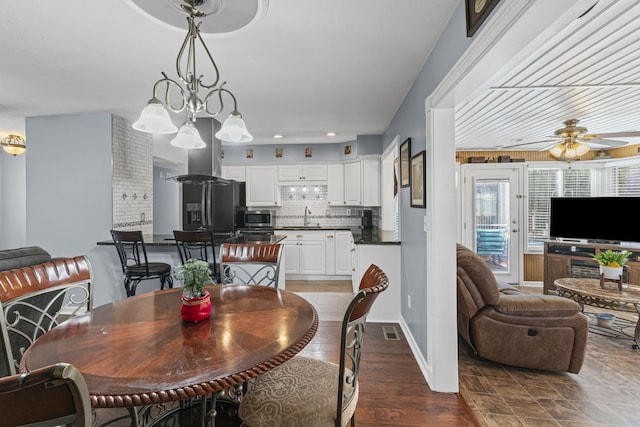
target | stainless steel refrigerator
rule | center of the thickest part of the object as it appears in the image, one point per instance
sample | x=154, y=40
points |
x=211, y=204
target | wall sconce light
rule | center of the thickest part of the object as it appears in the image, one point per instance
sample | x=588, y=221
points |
x=13, y=144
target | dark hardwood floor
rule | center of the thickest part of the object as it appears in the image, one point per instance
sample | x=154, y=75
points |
x=393, y=391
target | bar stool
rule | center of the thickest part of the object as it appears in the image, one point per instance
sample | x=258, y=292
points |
x=198, y=245
x=135, y=265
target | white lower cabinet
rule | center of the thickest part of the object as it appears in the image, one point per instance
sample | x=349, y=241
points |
x=318, y=253
x=304, y=252
x=343, y=253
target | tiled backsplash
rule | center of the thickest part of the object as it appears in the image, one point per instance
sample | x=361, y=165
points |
x=296, y=197
x=132, y=184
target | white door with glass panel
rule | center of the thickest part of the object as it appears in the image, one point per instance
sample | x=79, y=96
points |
x=491, y=206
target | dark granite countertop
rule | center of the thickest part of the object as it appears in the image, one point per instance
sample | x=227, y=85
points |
x=168, y=240
x=373, y=237
x=360, y=236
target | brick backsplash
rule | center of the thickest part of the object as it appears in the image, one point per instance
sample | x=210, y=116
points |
x=296, y=197
x=132, y=184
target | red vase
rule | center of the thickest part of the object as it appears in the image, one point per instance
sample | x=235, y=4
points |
x=196, y=309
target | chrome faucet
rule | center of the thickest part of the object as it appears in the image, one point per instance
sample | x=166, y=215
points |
x=307, y=212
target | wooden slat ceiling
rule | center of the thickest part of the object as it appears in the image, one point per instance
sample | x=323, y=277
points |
x=590, y=71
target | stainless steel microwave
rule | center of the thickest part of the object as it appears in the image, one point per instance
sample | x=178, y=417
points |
x=262, y=218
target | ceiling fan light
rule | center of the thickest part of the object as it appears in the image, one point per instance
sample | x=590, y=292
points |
x=580, y=149
x=155, y=119
x=188, y=137
x=234, y=130
x=557, y=150
x=570, y=152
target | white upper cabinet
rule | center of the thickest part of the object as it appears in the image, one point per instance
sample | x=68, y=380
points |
x=262, y=186
x=302, y=173
x=335, y=184
x=237, y=173
x=354, y=183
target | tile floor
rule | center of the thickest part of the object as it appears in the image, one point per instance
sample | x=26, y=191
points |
x=606, y=392
x=329, y=298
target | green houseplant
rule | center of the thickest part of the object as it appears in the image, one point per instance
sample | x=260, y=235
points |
x=196, y=300
x=611, y=263
x=614, y=259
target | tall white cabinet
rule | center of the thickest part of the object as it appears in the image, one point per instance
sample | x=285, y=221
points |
x=262, y=186
x=354, y=183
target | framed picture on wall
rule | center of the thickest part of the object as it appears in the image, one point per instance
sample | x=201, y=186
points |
x=476, y=12
x=418, y=199
x=405, y=155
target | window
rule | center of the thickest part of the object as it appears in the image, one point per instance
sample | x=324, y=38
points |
x=544, y=183
x=622, y=180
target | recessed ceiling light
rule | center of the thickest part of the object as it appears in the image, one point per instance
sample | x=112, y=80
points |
x=331, y=134
x=277, y=136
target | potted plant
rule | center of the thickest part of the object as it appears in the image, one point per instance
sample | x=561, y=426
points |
x=196, y=300
x=612, y=262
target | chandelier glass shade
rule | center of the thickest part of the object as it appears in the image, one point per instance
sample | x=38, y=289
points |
x=234, y=130
x=188, y=137
x=13, y=144
x=155, y=117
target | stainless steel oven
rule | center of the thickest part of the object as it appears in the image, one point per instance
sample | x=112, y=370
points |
x=262, y=218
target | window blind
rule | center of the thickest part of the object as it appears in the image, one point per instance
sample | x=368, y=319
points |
x=544, y=183
x=623, y=180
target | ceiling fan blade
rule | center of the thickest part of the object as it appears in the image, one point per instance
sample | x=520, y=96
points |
x=522, y=144
x=604, y=143
x=629, y=134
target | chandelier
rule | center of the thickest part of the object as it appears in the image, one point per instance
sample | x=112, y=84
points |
x=155, y=117
x=570, y=147
x=13, y=144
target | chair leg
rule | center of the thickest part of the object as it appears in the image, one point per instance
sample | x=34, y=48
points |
x=127, y=286
x=168, y=280
x=134, y=286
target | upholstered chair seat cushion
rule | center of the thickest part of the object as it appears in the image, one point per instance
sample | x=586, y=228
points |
x=301, y=392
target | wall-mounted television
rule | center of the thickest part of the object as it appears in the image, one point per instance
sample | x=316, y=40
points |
x=595, y=219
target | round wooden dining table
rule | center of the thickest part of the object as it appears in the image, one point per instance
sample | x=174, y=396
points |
x=138, y=351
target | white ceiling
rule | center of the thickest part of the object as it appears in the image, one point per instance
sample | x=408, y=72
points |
x=589, y=71
x=301, y=70
x=305, y=68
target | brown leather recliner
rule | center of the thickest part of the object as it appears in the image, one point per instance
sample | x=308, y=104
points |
x=507, y=326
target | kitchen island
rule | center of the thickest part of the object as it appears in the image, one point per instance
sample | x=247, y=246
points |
x=161, y=248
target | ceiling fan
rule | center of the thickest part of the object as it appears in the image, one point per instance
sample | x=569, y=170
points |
x=572, y=140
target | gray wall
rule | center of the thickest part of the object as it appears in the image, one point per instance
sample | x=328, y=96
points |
x=68, y=193
x=409, y=122
x=265, y=153
x=12, y=200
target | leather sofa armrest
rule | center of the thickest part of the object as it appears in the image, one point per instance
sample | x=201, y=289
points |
x=537, y=305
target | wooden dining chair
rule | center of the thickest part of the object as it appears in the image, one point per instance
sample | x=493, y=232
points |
x=135, y=264
x=35, y=299
x=250, y=264
x=197, y=245
x=305, y=391
x=54, y=395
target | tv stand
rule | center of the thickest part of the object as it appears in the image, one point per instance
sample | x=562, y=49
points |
x=571, y=259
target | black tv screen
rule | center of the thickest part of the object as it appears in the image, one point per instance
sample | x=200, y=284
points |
x=597, y=219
